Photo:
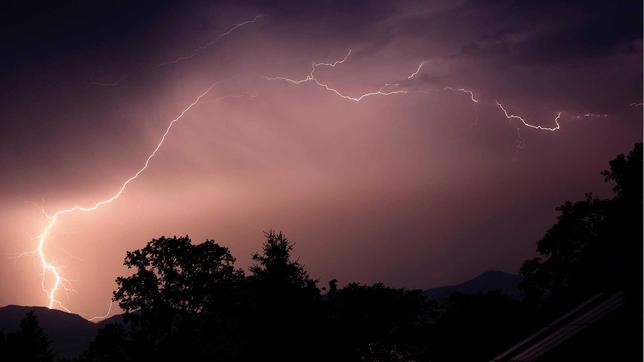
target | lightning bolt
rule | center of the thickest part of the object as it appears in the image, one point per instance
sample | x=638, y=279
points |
x=541, y=128
x=475, y=102
x=382, y=91
x=312, y=78
x=463, y=90
x=521, y=141
x=107, y=314
x=212, y=42
x=466, y=91
x=414, y=74
x=48, y=267
x=636, y=104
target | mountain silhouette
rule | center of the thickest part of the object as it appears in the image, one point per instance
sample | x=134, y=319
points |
x=69, y=333
x=488, y=281
x=115, y=319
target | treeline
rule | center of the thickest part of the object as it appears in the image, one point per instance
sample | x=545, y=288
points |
x=190, y=302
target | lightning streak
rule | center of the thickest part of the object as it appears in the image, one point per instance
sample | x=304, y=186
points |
x=414, y=74
x=107, y=314
x=48, y=267
x=541, y=128
x=312, y=78
x=467, y=91
x=212, y=42
x=383, y=91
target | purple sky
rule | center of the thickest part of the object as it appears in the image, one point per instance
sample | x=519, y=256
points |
x=415, y=189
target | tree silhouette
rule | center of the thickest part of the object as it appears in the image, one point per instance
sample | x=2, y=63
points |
x=176, y=286
x=596, y=244
x=275, y=269
x=284, y=306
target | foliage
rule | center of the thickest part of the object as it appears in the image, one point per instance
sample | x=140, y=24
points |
x=596, y=244
x=176, y=286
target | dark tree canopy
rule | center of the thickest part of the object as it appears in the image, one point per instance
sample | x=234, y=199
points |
x=275, y=267
x=284, y=305
x=176, y=286
x=626, y=173
x=174, y=274
x=596, y=244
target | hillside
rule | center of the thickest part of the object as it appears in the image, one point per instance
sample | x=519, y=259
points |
x=486, y=282
x=69, y=333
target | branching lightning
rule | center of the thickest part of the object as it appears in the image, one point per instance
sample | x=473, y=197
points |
x=212, y=42
x=387, y=89
x=312, y=78
x=48, y=267
x=383, y=91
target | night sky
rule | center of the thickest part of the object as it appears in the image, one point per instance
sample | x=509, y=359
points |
x=416, y=186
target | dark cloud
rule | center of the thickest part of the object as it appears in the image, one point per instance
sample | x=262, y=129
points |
x=547, y=32
x=33, y=30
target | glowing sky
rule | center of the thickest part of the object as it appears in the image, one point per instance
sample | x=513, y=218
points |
x=418, y=188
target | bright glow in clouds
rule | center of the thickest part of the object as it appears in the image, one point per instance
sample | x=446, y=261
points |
x=321, y=154
x=50, y=270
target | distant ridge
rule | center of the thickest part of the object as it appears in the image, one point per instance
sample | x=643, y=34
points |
x=488, y=281
x=69, y=333
x=115, y=319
